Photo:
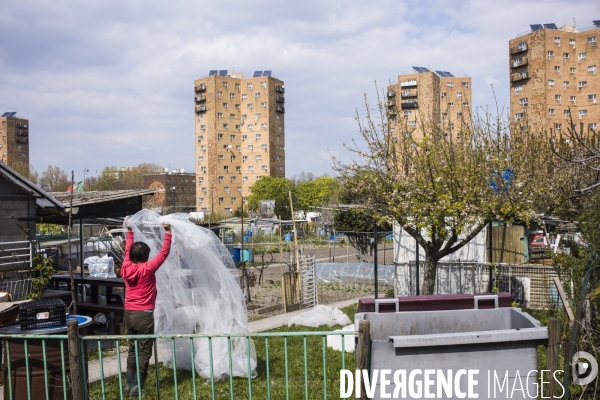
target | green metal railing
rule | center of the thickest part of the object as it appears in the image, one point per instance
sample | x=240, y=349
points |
x=290, y=365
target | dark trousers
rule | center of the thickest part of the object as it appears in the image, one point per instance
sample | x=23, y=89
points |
x=139, y=323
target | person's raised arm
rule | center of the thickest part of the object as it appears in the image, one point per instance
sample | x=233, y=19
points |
x=128, y=241
x=154, y=264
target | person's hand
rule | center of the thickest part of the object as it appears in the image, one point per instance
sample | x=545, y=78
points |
x=127, y=224
x=167, y=227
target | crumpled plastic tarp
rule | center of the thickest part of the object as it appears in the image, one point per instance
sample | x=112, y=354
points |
x=320, y=315
x=101, y=267
x=198, y=293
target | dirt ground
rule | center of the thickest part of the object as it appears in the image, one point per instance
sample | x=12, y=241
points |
x=269, y=294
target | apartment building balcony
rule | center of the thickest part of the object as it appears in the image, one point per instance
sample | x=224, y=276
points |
x=21, y=140
x=392, y=111
x=409, y=83
x=520, y=76
x=518, y=49
x=279, y=89
x=409, y=105
x=519, y=63
x=200, y=88
x=391, y=93
x=21, y=132
x=280, y=109
x=409, y=93
x=280, y=99
x=201, y=108
x=22, y=125
x=199, y=98
x=391, y=103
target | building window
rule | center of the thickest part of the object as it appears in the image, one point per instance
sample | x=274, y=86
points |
x=582, y=84
x=557, y=97
x=250, y=147
x=444, y=94
x=220, y=157
x=565, y=56
x=524, y=102
x=258, y=157
x=444, y=115
x=518, y=89
x=557, y=127
x=574, y=99
x=412, y=124
x=250, y=168
x=557, y=69
x=550, y=82
x=592, y=68
x=280, y=148
x=278, y=158
x=459, y=115
x=226, y=105
x=238, y=147
x=280, y=169
x=524, y=128
x=256, y=95
x=258, y=136
x=264, y=147
x=257, y=115
x=231, y=96
x=245, y=179
x=219, y=115
x=233, y=177
x=244, y=158
x=250, y=127
x=581, y=56
x=238, y=107
x=277, y=116
x=239, y=189
x=458, y=95
x=244, y=96
x=573, y=71
x=451, y=125
x=203, y=127
x=203, y=169
x=219, y=94
x=226, y=126
x=557, y=40
x=250, y=106
x=226, y=168
x=220, y=136
x=522, y=46
x=200, y=179
x=221, y=199
x=200, y=159
x=566, y=113
x=572, y=42
x=264, y=167
x=550, y=112
x=200, y=200
x=591, y=39
x=466, y=104
x=566, y=84
x=226, y=188
x=582, y=113
x=220, y=179
x=450, y=84
x=450, y=105
x=232, y=158
x=593, y=127
x=280, y=128
x=263, y=125
x=518, y=116
x=249, y=85
x=465, y=84
x=263, y=84
x=263, y=104
x=232, y=116
x=550, y=54
x=237, y=85
x=232, y=137
x=225, y=84
x=244, y=137
x=592, y=97
x=238, y=169
x=203, y=148
x=200, y=138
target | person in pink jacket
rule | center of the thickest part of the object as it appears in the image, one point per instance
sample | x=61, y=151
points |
x=139, y=276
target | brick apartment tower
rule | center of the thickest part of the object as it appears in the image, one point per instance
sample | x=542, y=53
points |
x=553, y=78
x=240, y=136
x=427, y=97
x=14, y=143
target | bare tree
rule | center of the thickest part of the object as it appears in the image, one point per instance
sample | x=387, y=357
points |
x=54, y=179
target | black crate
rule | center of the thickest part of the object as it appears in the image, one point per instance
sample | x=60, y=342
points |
x=42, y=314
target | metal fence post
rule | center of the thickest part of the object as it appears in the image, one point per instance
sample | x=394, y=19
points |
x=75, y=360
x=362, y=351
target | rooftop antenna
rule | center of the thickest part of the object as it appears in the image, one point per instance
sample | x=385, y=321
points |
x=574, y=24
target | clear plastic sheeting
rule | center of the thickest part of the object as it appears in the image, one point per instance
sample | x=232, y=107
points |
x=321, y=315
x=354, y=273
x=101, y=267
x=198, y=292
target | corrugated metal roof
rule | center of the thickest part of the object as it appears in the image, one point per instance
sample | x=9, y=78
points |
x=83, y=198
x=43, y=198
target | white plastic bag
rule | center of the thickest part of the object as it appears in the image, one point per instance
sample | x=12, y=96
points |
x=321, y=315
x=101, y=267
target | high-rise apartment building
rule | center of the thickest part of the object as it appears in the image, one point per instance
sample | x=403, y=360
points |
x=553, y=78
x=14, y=143
x=179, y=190
x=426, y=98
x=240, y=136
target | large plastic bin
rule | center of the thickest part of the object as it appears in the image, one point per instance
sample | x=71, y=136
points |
x=436, y=302
x=502, y=341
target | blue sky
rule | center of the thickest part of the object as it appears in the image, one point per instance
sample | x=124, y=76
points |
x=106, y=82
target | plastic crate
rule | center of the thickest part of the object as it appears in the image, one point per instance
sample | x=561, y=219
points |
x=42, y=314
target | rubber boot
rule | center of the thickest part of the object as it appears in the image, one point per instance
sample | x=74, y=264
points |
x=131, y=380
x=134, y=391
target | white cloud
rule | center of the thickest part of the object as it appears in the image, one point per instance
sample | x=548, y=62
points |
x=110, y=82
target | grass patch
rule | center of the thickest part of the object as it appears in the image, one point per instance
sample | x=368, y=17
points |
x=316, y=372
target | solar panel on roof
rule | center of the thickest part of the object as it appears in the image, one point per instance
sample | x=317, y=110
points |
x=12, y=114
x=535, y=27
x=212, y=72
x=222, y=72
x=440, y=73
x=448, y=74
x=420, y=69
x=257, y=73
x=4, y=115
x=550, y=26
x=267, y=73
x=596, y=23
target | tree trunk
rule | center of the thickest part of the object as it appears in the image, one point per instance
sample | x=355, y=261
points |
x=429, y=275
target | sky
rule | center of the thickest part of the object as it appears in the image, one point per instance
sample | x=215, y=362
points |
x=110, y=82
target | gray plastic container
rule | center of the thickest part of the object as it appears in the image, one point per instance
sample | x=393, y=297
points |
x=502, y=341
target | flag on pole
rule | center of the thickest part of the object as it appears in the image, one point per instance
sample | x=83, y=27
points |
x=77, y=187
